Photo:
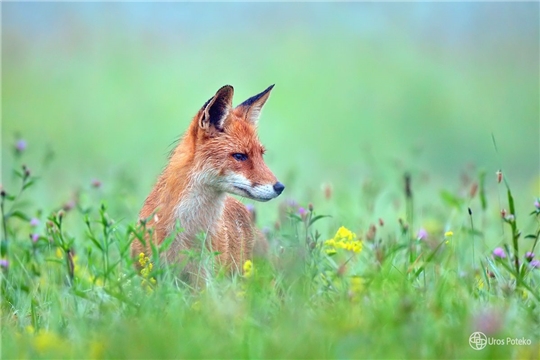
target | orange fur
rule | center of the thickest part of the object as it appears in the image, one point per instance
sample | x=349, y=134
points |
x=203, y=168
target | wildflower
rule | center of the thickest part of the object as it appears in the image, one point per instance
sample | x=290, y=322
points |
x=473, y=190
x=422, y=234
x=535, y=264
x=344, y=239
x=47, y=341
x=248, y=268
x=488, y=321
x=291, y=203
x=499, y=176
x=34, y=222
x=499, y=253
x=251, y=209
x=20, y=145
x=96, y=350
x=4, y=263
x=302, y=212
x=147, y=266
x=509, y=218
x=449, y=234
x=34, y=237
x=529, y=256
x=479, y=282
x=356, y=287
x=69, y=205
x=372, y=232
x=142, y=259
x=327, y=188
x=96, y=183
x=537, y=204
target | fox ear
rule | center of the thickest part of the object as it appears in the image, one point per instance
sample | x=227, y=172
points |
x=216, y=110
x=251, y=108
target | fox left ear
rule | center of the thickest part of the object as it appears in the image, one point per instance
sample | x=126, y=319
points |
x=251, y=108
x=216, y=110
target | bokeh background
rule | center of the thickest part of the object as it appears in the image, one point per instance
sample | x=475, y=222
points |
x=364, y=92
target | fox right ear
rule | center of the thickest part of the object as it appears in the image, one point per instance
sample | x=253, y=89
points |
x=216, y=110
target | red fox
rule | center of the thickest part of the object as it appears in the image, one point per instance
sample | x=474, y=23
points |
x=219, y=154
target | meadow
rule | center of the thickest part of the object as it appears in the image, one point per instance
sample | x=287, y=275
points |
x=410, y=218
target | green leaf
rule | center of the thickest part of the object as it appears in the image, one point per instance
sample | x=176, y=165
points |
x=482, y=189
x=18, y=214
x=318, y=217
x=451, y=200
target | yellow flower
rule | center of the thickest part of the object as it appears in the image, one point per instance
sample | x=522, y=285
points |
x=479, y=282
x=47, y=341
x=143, y=259
x=96, y=350
x=146, y=270
x=344, y=239
x=448, y=234
x=356, y=287
x=248, y=268
x=357, y=284
x=344, y=233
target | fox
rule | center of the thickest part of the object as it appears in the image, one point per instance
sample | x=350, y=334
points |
x=219, y=155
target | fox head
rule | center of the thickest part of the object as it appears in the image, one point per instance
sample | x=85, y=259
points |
x=227, y=149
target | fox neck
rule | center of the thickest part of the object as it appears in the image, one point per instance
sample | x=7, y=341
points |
x=198, y=208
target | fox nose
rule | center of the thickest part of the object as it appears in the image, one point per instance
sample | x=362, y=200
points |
x=278, y=187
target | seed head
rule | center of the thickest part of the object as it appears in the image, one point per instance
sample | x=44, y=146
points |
x=499, y=176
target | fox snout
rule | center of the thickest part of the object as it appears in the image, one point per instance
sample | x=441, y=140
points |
x=278, y=188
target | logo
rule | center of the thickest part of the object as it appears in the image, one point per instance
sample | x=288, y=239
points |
x=478, y=340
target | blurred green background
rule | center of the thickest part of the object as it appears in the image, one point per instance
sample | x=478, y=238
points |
x=363, y=90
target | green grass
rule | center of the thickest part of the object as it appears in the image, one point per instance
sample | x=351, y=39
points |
x=350, y=115
x=74, y=292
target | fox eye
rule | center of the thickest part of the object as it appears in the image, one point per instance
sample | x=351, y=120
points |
x=240, y=157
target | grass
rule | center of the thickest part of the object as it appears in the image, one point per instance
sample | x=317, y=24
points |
x=386, y=291
x=386, y=134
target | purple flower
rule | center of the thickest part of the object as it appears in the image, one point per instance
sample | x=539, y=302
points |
x=535, y=264
x=34, y=237
x=20, y=145
x=422, y=234
x=537, y=204
x=291, y=203
x=499, y=253
x=4, y=263
x=302, y=211
x=488, y=321
x=34, y=222
x=529, y=256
